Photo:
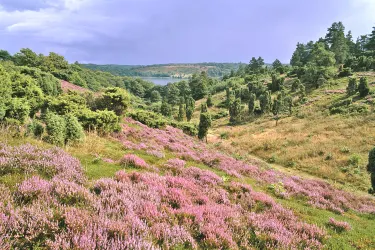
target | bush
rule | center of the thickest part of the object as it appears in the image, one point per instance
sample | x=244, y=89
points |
x=18, y=109
x=363, y=87
x=74, y=130
x=56, y=129
x=346, y=72
x=36, y=129
x=103, y=121
x=115, y=99
x=150, y=119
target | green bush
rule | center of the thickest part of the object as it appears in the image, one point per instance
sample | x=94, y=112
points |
x=36, y=129
x=18, y=109
x=56, y=129
x=150, y=119
x=74, y=130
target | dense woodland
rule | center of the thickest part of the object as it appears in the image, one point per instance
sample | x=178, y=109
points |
x=119, y=114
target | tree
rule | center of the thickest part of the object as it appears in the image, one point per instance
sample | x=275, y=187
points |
x=115, y=99
x=277, y=107
x=181, y=112
x=265, y=102
x=18, y=109
x=337, y=41
x=302, y=92
x=204, y=125
x=5, y=56
x=199, y=85
x=370, y=45
x=301, y=55
x=74, y=130
x=5, y=91
x=190, y=106
x=288, y=103
x=209, y=101
x=204, y=108
x=363, y=87
x=27, y=57
x=277, y=83
x=76, y=79
x=371, y=167
x=322, y=57
x=255, y=65
x=252, y=103
x=352, y=86
x=184, y=89
x=295, y=85
x=173, y=94
x=165, y=108
x=278, y=66
x=235, y=110
x=155, y=96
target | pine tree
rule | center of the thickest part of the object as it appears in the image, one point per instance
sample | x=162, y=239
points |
x=204, y=108
x=302, y=92
x=352, y=86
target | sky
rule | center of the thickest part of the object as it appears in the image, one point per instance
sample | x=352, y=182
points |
x=174, y=31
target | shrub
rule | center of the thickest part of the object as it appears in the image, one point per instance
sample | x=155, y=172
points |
x=35, y=128
x=18, y=109
x=339, y=226
x=150, y=119
x=131, y=160
x=345, y=72
x=103, y=121
x=115, y=99
x=56, y=129
x=209, y=101
x=74, y=130
x=204, y=125
x=352, y=86
x=363, y=87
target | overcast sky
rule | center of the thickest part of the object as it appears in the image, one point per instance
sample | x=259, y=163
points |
x=172, y=31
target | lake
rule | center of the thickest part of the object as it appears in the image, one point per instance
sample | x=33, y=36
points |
x=162, y=80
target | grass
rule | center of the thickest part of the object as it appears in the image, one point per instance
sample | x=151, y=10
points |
x=310, y=141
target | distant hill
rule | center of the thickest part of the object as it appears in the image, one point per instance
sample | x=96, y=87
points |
x=167, y=70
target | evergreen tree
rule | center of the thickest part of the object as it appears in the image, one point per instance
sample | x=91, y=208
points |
x=115, y=99
x=190, y=106
x=252, y=103
x=204, y=125
x=265, y=102
x=277, y=107
x=235, y=110
x=370, y=43
x=363, y=87
x=322, y=57
x=165, y=108
x=56, y=129
x=199, y=85
x=173, y=94
x=295, y=85
x=209, y=101
x=302, y=92
x=155, y=96
x=371, y=167
x=204, y=108
x=352, y=86
x=181, y=112
x=338, y=42
x=288, y=104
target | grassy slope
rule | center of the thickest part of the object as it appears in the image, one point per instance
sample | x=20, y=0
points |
x=310, y=142
x=94, y=151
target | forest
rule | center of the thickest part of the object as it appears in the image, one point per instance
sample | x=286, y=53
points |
x=235, y=156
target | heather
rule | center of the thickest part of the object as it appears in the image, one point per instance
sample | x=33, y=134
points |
x=318, y=193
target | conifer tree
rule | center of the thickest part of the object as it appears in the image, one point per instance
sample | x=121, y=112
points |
x=204, y=125
x=190, y=106
x=209, y=101
x=265, y=102
x=235, y=110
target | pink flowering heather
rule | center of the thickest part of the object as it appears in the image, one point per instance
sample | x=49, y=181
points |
x=29, y=159
x=131, y=160
x=339, y=225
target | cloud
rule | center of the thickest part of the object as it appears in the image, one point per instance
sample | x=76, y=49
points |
x=161, y=31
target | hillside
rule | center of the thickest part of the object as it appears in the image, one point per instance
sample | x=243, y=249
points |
x=143, y=181
x=168, y=70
